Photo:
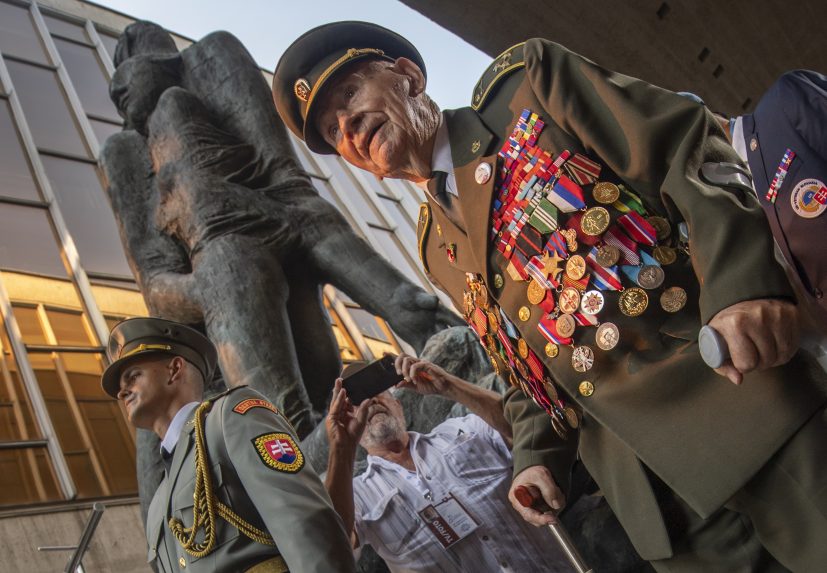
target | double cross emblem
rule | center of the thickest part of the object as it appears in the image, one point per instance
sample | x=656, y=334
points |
x=503, y=63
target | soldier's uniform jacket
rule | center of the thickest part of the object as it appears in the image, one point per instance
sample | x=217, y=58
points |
x=258, y=474
x=655, y=403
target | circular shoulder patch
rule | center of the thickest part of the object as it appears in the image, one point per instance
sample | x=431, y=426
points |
x=279, y=451
x=809, y=198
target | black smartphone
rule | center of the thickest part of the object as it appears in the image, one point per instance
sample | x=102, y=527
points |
x=371, y=379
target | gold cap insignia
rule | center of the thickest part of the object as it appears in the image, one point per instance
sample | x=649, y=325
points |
x=302, y=89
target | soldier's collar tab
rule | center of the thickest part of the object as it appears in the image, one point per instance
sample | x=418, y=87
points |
x=507, y=62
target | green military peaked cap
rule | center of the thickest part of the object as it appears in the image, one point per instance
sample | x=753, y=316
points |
x=136, y=337
x=316, y=56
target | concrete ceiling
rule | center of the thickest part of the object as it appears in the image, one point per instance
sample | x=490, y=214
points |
x=726, y=51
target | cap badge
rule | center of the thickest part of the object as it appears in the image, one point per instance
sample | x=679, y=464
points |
x=302, y=89
x=475, y=146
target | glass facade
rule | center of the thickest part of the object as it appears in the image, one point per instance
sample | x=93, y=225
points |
x=64, y=279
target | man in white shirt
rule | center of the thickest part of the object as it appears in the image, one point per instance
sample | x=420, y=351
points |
x=438, y=501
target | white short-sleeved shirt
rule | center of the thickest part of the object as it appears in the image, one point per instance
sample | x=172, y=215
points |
x=468, y=459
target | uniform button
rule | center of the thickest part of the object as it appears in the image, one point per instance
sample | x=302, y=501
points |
x=586, y=388
x=499, y=282
x=485, y=538
x=753, y=144
x=817, y=293
x=182, y=563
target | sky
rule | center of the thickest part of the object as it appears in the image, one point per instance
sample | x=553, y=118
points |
x=266, y=28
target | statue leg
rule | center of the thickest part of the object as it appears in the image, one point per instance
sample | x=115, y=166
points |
x=316, y=347
x=244, y=293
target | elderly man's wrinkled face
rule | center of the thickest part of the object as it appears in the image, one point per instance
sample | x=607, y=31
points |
x=376, y=115
x=385, y=423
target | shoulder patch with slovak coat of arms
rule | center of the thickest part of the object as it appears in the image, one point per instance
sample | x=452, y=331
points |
x=279, y=451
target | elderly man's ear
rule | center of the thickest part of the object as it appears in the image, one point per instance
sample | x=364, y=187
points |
x=407, y=68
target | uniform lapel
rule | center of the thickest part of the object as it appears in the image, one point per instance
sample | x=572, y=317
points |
x=471, y=141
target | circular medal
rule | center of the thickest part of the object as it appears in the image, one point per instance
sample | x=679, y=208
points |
x=633, y=301
x=606, y=193
x=803, y=199
x=569, y=300
x=482, y=173
x=662, y=227
x=575, y=267
x=493, y=320
x=650, y=277
x=582, y=359
x=498, y=281
x=607, y=255
x=665, y=255
x=586, y=388
x=673, y=299
x=552, y=350
x=592, y=302
x=522, y=348
x=566, y=325
x=524, y=313
x=559, y=428
x=595, y=221
x=550, y=389
x=536, y=293
x=607, y=336
x=521, y=368
x=571, y=417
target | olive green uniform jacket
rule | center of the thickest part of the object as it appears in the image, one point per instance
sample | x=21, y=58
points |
x=290, y=504
x=655, y=402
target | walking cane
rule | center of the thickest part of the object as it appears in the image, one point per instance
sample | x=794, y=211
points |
x=528, y=499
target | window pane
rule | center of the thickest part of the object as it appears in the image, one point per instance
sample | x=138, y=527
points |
x=123, y=301
x=395, y=254
x=367, y=323
x=26, y=476
x=16, y=416
x=404, y=224
x=347, y=185
x=15, y=175
x=69, y=328
x=88, y=78
x=103, y=129
x=110, y=43
x=18, y=36
x=87, y=213
x=27, y=242
x=47, y=112
x=64, y=28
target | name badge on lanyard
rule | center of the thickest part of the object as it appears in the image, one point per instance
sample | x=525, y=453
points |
x=448, y=521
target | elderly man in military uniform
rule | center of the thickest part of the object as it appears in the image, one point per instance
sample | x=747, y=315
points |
x=583, y=222
x=237, y=494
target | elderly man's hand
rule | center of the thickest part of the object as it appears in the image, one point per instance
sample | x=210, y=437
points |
x=760, y=334
x=344, y=423
x=422, y=376
x=539, y=481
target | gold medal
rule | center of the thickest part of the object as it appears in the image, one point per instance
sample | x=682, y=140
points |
x=569, y=300
x=607, y=255
x=586, y=388
x=535, y=293
x=650, y=277
x=576, y=267
x=552, y=350
x=493, y=320
x=551, y=263
x=592, y=302
x=571, y=239
x=481, y=296
x=566, y=325
x=582, y=359
x=571, y=417
x=595, y=221
x=605, y=192
x=522, y=348
x=633, y=301
x=665, y=255
x=662, y=227
x=607, y=336
x=673, y=299
x=524, y=313
x=522, y=369
x=550, y=389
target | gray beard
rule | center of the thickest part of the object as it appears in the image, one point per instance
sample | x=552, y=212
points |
x=383, y=432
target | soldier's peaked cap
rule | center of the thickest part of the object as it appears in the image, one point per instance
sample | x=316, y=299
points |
x=317, y=56
x=137, y=337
